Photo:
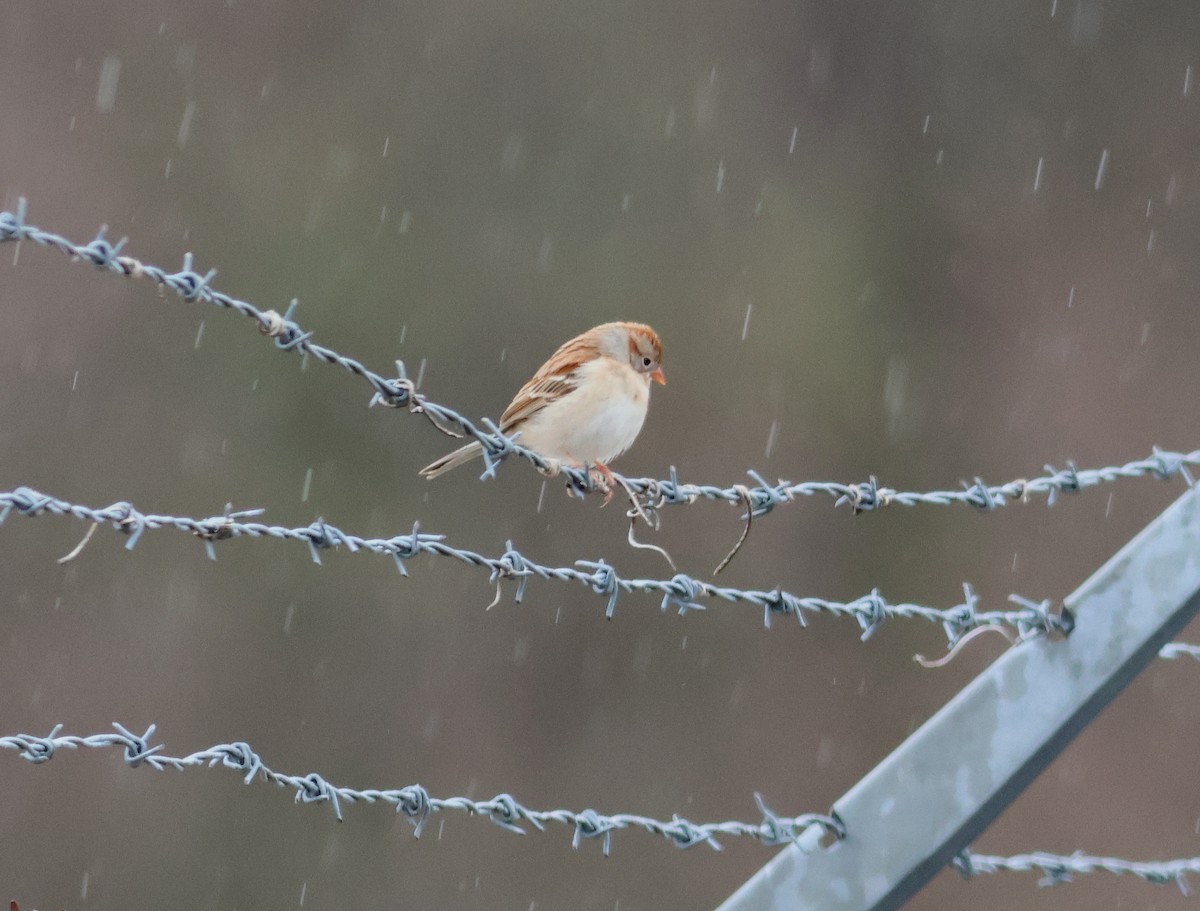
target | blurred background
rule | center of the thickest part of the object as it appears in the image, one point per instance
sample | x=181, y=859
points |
x=928, y=241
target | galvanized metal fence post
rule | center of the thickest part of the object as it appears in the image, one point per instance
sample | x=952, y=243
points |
x=945, y=784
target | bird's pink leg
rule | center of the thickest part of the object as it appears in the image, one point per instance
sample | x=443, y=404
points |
x=607, y=481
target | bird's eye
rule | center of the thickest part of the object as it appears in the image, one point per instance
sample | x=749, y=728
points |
x=646, y=362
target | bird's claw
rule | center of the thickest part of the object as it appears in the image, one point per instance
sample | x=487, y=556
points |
x=604, y=480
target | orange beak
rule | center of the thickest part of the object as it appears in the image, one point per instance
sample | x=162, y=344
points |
x=658, y=377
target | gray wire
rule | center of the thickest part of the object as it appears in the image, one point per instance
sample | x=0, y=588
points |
x=1062, y=868
x=418, y=805
x=682, y=592
x=400, y=392
x=1180, y=650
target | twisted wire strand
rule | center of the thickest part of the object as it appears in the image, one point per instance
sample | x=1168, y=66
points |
x=681, y=591
x=400, y=392
x=1062, y=868
x=418, y=806
x=1180, y=650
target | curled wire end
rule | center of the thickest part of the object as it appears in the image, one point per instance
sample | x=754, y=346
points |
x=81, y=545
x=495, y=600
x=647, y=512
x=744, y=492
x=417, y=404
x=634, y=542
x=961, y=643
x=417, y=408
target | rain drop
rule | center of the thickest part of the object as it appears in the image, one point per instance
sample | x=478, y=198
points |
x=106, y=91
x=185, y=125
x=1102, y=169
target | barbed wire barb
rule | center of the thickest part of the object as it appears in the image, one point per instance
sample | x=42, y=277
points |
x=401, y=392
x=681, y=591
x=415, y=802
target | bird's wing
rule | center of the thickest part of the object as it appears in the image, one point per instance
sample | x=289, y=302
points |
x=554, y=379
x=533, y=397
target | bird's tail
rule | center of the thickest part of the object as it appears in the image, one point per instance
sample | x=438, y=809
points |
x=451, y=460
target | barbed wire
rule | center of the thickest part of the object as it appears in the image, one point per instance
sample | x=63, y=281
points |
x=401, y=392
x=1180, y=650
x=418, y=805
x=681, y=591
x=1062, y=868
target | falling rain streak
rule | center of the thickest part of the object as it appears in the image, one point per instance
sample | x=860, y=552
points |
x=185, y=124
x=106, y=89
x=1102, y=170
x=943, y=247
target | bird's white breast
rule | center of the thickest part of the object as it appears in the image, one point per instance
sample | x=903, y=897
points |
x=595, y=422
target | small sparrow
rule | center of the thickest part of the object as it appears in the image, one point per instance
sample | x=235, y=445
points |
x=585, y=405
